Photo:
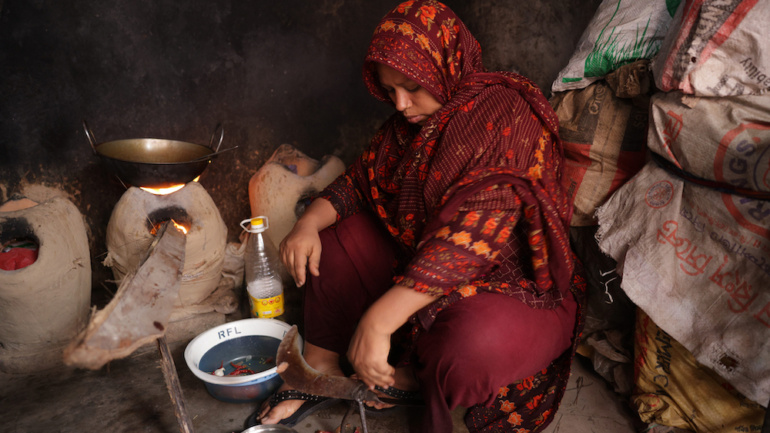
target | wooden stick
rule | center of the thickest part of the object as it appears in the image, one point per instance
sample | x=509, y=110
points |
x=173, y=386
x=140, y=311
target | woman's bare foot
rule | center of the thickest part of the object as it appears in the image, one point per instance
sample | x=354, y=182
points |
x=320, y=359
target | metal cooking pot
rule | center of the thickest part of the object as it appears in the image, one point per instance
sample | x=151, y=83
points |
x=156, y=163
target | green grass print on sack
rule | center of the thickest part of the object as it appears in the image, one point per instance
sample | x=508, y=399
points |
x=620, y=33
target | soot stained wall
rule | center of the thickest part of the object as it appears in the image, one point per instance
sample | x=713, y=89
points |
x=270, y=72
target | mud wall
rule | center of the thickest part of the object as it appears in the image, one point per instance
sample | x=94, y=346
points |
x=270, y=72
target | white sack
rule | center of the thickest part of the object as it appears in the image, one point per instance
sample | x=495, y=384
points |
x=620, y=32
x=721, y=139
x=699, y=267
x=716, y=48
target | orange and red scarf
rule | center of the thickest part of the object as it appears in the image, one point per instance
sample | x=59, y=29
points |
x=482, y=137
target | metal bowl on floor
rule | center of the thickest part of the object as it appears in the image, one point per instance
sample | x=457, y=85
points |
x=249, y=343
x=269, y=429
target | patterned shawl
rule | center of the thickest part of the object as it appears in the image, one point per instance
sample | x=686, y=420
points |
x=415, y=180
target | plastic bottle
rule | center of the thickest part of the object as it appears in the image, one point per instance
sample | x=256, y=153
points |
x=263, y=281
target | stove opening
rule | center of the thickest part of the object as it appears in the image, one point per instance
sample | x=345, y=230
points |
x=18, y=244
x=176, y=214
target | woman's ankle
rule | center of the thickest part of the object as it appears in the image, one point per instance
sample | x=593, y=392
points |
x=322, y=360
x=406, y=379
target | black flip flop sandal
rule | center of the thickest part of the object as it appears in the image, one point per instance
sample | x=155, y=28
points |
x=407, y=398
x=313, y=403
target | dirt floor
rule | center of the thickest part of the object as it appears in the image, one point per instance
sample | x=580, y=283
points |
x=130, y=395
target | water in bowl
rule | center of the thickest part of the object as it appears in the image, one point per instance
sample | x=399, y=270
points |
x=255, y=352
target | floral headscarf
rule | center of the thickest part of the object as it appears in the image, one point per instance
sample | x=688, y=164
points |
x=493, y=129
x=427, y=41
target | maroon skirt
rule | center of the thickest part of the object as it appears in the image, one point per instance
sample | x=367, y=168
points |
x=504, y=360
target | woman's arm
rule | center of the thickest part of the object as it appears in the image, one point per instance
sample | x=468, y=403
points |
x=369, y=348
x=472, y=240
x=301, y=248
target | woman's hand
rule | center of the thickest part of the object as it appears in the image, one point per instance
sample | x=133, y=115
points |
x=370, y=345
x=301, y=248
x=368, y=353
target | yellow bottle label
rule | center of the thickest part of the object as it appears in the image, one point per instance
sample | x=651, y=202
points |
x=266, y=308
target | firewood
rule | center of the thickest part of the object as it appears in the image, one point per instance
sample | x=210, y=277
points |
x=140, y=310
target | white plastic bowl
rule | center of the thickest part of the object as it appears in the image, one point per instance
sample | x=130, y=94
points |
x=245, y=339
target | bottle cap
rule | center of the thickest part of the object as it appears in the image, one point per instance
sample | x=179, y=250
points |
x=255, y=225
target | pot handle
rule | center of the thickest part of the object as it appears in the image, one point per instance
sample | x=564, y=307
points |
x=221, y=131
x=90, y=136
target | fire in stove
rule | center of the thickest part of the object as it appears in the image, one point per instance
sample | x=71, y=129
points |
x=168, y=190
x=176, y=215
x=156, y=227
x=134, y=225
x=180, y=227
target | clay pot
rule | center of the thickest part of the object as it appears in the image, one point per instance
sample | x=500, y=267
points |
x=45, y=305
x=129, y=236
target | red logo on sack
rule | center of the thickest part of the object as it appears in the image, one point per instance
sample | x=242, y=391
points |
x=741, y=161
x=659, y=194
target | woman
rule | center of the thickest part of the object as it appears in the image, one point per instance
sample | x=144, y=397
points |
x=439, y=261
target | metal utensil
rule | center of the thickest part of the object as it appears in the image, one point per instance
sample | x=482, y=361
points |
x=156, y=163
x=269, y=429
x=296, y=372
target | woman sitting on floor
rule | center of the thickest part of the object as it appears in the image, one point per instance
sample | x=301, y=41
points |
x=439, y=261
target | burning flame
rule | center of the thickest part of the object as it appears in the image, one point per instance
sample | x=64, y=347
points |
x=179, y=227
x=182, y=228
x=167, y=190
